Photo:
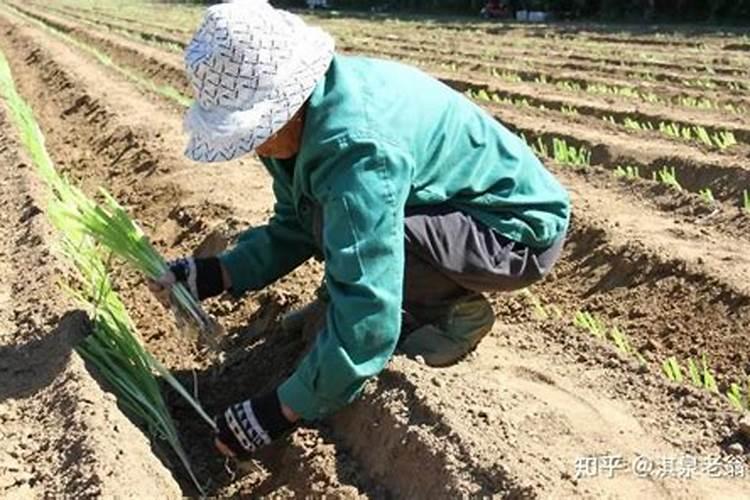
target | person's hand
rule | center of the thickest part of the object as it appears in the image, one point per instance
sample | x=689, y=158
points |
x=204, y=278
x=246, y=427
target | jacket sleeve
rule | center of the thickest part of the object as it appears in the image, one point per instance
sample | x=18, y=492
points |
x=363, y=245
x=266, y=253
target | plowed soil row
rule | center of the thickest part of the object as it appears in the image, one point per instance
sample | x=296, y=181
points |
x=463, y=47
x=696, y=170
x=418, y=432
x=459, y=45
x=583, y=75
x=542, y=56
x=528, y=88
x=529, y=79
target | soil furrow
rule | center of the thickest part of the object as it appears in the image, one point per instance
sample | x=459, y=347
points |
x=529, y=56
x=391, y=40
x=553, y=48
x=573, y=81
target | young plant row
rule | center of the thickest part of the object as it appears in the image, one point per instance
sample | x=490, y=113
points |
x=668, y=176
x=696, y=133
x=721, y=139
x=89, y=234
x=700, y=375
x=487, y=58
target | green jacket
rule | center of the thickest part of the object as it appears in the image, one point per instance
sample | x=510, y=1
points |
x=379, y=136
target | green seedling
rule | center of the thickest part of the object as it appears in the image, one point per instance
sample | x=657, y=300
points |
x=738, y=396
x=746, y=200
x=570, y=155
x=672, y=369
x=569, y=110
x=628, y=172
x=586, y=321
x=707, y=196
x=541, y=148
x=667, y=176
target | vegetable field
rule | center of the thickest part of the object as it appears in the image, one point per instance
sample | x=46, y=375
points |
x=637, y=346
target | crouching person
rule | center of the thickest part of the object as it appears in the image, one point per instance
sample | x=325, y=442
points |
x=417, y=200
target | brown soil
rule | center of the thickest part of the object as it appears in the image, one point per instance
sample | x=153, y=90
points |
x=510, y=420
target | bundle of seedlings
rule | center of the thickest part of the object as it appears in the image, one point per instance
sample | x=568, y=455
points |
x=116, y=350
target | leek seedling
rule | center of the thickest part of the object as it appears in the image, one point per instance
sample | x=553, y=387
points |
x=570, y=155
x=707, y=196
x=737, y=398
x=672, y=369
x=694, y=373
x=668, y=176
x=541, y=148
x=724, y=139
x=746, y=200
x=586, y=321
x=628, y=172
x=569, y=110
x=115, y=349
x=709, y=381
x=110, y=225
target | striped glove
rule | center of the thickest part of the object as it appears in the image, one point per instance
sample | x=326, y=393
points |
x=201, y=276
x=250, y=425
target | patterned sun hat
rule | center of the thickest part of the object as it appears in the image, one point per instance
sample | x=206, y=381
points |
x=252, y=67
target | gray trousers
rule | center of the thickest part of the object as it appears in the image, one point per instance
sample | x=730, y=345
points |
x=450, y=255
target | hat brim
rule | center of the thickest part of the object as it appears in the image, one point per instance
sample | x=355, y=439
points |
x=223, y=135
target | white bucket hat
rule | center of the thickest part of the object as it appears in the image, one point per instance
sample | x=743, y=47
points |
x=252, y=67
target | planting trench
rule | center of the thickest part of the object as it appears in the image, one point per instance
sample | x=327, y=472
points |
x=509, y=420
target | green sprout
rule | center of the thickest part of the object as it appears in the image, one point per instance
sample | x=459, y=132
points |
x=628, y=172
x=570, y=155
x=114, y=347
x=738, y=396
x=667, y=176
x=569, y=110
x=707, y=196
x=672, y=369
x=746, y=200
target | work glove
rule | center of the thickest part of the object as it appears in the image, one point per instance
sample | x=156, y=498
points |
x=246, y=427
x=201, y=276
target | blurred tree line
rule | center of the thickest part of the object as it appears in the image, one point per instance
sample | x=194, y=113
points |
x=665, y=10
